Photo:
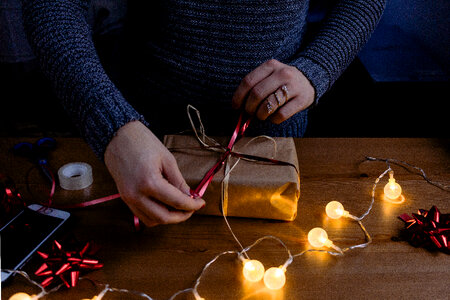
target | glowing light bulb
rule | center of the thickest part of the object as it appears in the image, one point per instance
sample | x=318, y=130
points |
x=93, y=298
x=335, y=210
x=318, y=237
x=253, y=270
x=392, y=190
x=274, y=278
x=21, y=296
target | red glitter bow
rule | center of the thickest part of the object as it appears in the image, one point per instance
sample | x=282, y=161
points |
x=65, y=265
x=428, y=229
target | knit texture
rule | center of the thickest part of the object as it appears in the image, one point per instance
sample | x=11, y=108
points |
x=190, y=52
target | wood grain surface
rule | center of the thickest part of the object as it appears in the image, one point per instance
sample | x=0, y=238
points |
x=162, y=260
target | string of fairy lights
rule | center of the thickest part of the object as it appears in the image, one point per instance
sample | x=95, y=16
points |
x=274, y=278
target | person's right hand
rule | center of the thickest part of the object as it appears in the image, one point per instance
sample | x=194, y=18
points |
x=148, y=178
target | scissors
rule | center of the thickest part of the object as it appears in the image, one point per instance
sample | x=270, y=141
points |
x=37, y=153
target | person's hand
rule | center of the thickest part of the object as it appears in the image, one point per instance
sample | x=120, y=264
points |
x=274, y=90
x=148, y=178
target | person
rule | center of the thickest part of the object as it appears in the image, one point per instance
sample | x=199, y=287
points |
x=218, y=55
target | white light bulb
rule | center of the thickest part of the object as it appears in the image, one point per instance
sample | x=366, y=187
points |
x=21, y=296
x=274, y=278
x=253, y=270
x=318, y=237
x=392, y=190
x=335, y=210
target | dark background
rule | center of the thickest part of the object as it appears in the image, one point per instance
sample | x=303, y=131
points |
x=396, y=87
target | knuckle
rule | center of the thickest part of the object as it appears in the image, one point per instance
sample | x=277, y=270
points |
x=176, y=203
x=287, y=73
x=247, y=82
x=160, y=219
x=128, y=195
x=171, y=159
x=276, y=119
x=283, y=116
x=148, y=184
x=149, y=223
x=272, y=62
x=261, y=115
x=257, y=93
x=248, y=108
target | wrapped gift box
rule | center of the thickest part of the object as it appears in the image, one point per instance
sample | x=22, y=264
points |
x=255, y=189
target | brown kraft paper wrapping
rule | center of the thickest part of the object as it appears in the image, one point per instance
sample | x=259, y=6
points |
x=255, y=190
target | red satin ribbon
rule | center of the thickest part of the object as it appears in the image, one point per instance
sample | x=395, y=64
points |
x=90, y=203
x=11, y=202
x=237, y=134
x=200, y=190
x=136, y=221
x=52, y=190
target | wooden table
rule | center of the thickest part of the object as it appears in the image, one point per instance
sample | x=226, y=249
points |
x=162, y=260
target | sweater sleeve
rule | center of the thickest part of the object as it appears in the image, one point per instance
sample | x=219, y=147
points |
x=342, y=34
x=61, y=38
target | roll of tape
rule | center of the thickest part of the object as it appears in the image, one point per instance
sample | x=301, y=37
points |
x=75, y=176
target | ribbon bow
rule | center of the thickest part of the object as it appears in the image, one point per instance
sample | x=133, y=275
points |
x=238, y=133
x=66, y=265
x=428, y=229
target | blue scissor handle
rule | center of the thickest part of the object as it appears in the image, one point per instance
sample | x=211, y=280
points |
x=23, y=149
x=46, y=143
x=43, y=147
x=37, y=152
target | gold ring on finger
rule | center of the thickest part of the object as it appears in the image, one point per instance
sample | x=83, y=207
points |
x=269, y=107
x=279, y=101
x=285, y=92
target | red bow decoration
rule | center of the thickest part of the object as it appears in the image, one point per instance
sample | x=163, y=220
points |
x=428, y=229
x=66, y=265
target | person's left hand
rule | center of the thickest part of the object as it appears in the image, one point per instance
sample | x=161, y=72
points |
x=274, y=90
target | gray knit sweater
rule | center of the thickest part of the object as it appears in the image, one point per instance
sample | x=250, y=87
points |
x=189, y=52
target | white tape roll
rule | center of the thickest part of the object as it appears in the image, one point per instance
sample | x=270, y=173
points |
x=75, y=176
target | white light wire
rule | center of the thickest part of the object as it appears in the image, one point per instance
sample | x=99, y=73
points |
x=197, y=282
x=373, y=195
x=227, y=173
x=224, y=187
x=363, y=245
x=27, y=277
x=244, y=251
x=181, y=292
x=408, y=166
x=111, y=289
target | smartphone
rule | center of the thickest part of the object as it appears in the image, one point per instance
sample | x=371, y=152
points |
x=25, y=233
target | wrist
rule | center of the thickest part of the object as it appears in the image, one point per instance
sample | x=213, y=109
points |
x=122, y=137
x=317, y=76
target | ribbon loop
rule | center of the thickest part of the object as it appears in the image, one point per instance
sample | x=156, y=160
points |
x=238, y=132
